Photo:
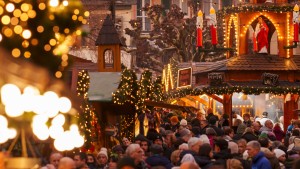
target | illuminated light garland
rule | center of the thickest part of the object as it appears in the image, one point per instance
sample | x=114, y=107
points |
x=263, y=8
x=88, y=122
x=23, y=23
x=288, y=34
x=233, y=19
x=276, y=90
x=168, y=80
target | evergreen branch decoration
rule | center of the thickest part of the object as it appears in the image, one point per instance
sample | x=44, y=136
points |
x=127, y=89
x=157, y=94
x=87, y=118
x=83, y=83
x=145, y=91
x=263, y=8
x=277, y=90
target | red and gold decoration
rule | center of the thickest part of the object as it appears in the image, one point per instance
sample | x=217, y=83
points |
x=296, y=23
x=213, y=26
x=199, y=25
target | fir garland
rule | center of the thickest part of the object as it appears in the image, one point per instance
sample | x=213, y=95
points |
x=277, y=90
x=263, y=8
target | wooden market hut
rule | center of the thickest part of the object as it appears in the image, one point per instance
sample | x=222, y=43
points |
x=247, y=71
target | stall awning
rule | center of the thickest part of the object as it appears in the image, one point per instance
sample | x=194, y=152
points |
x=102, y=85
x=188, y=109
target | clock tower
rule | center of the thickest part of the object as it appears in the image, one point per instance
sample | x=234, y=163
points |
x=109, y=43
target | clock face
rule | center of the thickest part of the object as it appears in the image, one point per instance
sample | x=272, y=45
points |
x=108, y=58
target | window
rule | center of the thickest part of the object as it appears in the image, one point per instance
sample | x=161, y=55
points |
x=142, y=15
x=183, y=5
x=108, y=58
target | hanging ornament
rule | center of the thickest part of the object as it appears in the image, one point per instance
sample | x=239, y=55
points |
x=296, y=23
x=213, y=26
x=199, y=24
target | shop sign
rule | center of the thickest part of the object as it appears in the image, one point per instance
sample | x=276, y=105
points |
x=184, y=78
x=270, y=79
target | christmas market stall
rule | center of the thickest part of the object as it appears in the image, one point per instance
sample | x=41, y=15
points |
x=263, y=69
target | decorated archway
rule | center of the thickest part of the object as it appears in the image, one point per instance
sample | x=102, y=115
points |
x=279, y=33
x=272, y=35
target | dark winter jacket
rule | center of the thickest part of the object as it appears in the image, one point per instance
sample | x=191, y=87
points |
x=249, y=136
x=279, y=133
x=260, y=162
x=219, y=131
x=158, y=160
x=204, y=162
x=222, y=156
x=236, y=137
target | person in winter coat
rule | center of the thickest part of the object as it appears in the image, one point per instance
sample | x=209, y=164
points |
x=281, y=156
x=279, y=133
x=249, y=135
x=221, y=151
x=239, y=132
x=264, y=142
x=205, y=156
x=156, y=158
x=259, y=161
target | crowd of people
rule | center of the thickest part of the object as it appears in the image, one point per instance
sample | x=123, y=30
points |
x=205, y=141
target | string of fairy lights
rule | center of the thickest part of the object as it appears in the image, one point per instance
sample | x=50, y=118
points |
x=23, y=23
x=88, y=121
x=136, y=92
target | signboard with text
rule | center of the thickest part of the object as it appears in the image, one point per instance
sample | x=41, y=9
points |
x=184, y=78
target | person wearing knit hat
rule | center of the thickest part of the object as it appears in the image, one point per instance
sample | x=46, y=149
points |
x=281, y=156
x=157, y=139
x=183, y=123
x=102, y=157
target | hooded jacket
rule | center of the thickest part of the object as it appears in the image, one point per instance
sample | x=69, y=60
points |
x=260, y=162
x=271, y=157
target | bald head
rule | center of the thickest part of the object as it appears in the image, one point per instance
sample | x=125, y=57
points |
x=189, y=165
x=54, y=159
x=66, y=163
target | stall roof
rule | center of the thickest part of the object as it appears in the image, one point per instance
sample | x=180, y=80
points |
x=102, y=85
x=259, y=83
x=260, y=62
x=188, y=109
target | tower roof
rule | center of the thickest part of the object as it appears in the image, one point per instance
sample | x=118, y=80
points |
x=108, y=34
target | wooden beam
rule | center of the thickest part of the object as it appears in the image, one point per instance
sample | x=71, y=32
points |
x=189, y=102
x=217, y=98
x=200, y=100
